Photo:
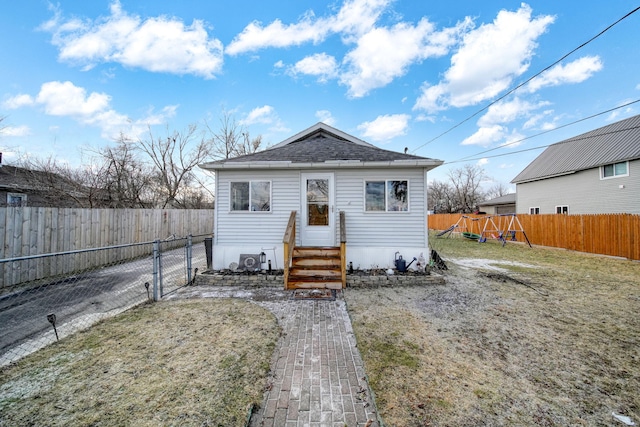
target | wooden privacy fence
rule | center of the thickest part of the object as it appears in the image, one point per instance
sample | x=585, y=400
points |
x=606, y=234
x=32, y=231
x=28, y=231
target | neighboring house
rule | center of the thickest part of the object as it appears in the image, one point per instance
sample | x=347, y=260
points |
x=593, y=173
x=500, y=205
x=17, y=188
x=26, y=187
x=318, y=173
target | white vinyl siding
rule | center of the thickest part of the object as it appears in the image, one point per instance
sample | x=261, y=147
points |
x=584, y=192
x=364, y=229
x=381, y=229
x=256, y=228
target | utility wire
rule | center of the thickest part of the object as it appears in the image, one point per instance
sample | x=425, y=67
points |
x=544, y=146
x=527, y=81
x=542, y=133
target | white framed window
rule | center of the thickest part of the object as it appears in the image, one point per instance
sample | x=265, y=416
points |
x=614, y=170
x=562, y=209
x=250, y=196
x=534, y=211
x=16, y=199
x=391, y=195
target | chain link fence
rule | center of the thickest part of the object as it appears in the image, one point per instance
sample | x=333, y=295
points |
x=35, y=313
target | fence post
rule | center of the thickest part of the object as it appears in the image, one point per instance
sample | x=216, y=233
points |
x=189, y=255
x=157, y=271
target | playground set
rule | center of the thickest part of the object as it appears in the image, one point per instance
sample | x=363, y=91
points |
x=503, y=227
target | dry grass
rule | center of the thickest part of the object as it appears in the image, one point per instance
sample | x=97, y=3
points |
x=194, y=362
x=551, y=339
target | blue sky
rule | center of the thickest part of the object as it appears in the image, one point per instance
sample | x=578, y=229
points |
x=76, y=74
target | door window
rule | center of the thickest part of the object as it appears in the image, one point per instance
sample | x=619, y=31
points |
x=318, y=202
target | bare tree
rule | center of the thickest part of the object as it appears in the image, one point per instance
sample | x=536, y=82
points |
x=466, y=185
x=497, y=190
x=441, y=197
x=174, y=159
x=231, y=139
x=127, y=182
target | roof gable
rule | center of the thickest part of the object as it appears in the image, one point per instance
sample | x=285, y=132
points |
x=617, y=142
x=322, y=146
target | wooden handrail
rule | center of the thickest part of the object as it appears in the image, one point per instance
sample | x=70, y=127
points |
x=289, y=241
x=343, y=248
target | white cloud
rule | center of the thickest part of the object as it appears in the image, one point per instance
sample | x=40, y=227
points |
x=482, y=162
x=260, y=115
x=385, y=53
x=574, y=72
x=18, y=101
x=64, y=99
x=620, y=113
x=15, y=131
x=386, y=127
x=425, y=118
x=508, y=111
x=158, y=44
x=535, y=119
x=67, y=99
x=320, y=65
x=381, y=54
x=353, y=19
x=488, y=60
x=325, y=116
x=485, y=136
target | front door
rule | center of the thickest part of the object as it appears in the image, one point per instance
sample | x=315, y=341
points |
x=318, y=219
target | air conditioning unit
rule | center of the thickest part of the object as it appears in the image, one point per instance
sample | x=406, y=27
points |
x=249, y=262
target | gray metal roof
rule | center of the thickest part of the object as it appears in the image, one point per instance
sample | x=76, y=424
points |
x=617, y=142
x=323, y=146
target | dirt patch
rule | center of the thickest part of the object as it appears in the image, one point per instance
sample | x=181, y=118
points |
x=550, y=338
x=195, y=362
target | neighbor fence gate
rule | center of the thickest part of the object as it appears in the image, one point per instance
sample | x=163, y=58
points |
x=68, y=291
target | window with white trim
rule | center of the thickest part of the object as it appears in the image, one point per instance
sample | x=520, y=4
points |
x=562, y=209
x=534, y=211
x=250, y=196
x=16, y=199
x=386, y=196
x=614, y=170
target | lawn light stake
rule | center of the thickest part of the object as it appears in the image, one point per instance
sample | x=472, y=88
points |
x=52, y=319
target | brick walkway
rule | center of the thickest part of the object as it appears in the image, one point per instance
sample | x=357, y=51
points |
x=319, y=378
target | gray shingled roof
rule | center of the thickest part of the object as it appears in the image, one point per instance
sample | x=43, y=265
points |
x=617, y=142
x=320, y=146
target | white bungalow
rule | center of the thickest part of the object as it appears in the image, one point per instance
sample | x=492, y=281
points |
x=319, y=202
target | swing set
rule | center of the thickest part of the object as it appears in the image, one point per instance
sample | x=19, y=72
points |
x=503, y=227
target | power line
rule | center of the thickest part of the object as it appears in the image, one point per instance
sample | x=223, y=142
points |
x=528, y=80
x=542, y=133
x=544, y=146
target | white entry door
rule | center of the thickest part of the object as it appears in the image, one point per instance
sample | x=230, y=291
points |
x=318, y=219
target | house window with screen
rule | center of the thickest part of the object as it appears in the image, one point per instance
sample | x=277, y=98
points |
x=614, y=170
x=250, y=196
x=534, y=211
x=562, y=209
x=386, y=196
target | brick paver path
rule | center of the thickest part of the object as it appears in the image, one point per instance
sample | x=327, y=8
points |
x=318, y=377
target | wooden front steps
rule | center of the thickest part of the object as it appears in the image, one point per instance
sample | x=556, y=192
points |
x=315, y=268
